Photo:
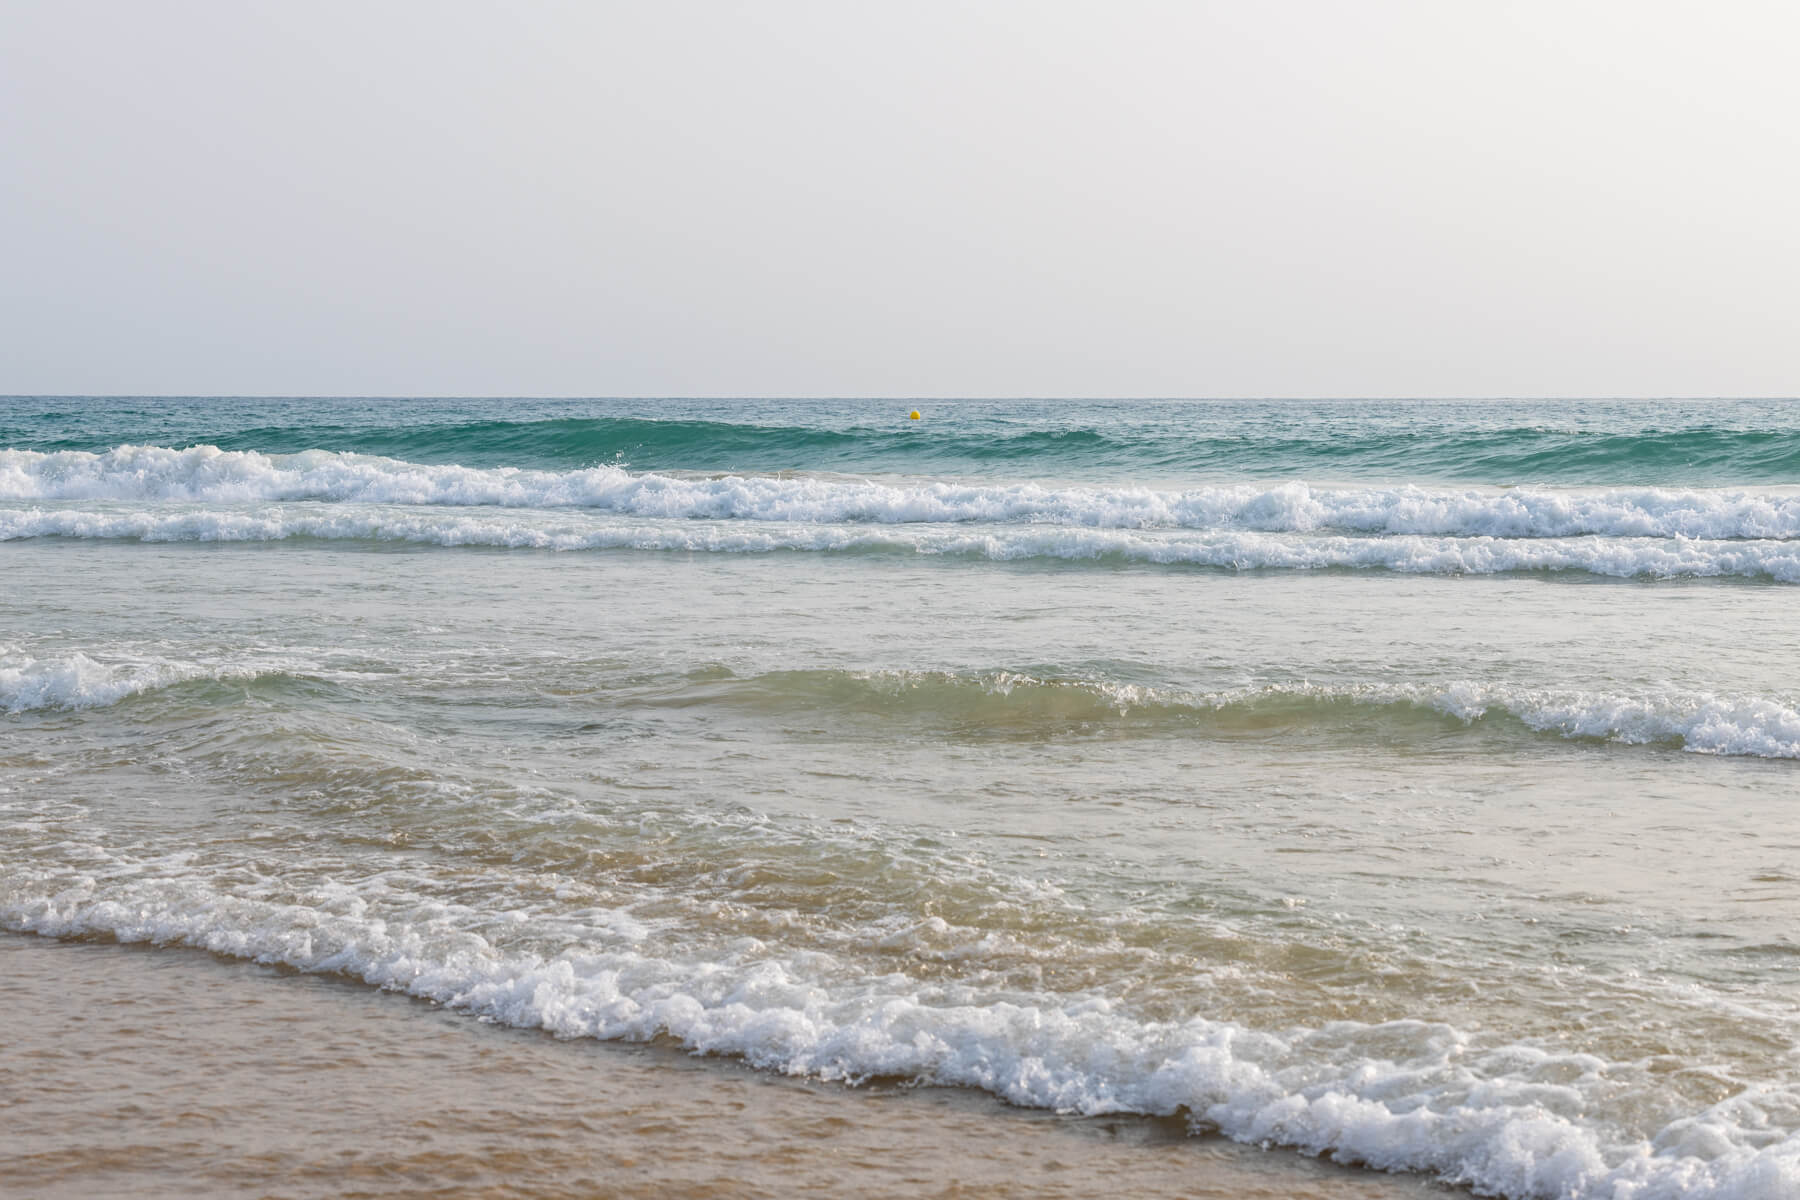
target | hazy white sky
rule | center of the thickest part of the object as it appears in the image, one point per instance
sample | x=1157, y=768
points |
x=1264, y=197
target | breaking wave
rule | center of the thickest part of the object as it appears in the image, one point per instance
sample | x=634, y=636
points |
x=1775, y=560
x=206, y=474
x=1009, y=703
x=74, y=681
x=1505, y=1119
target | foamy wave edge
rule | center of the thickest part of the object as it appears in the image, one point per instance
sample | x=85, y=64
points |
x=1081, y=1056
x=75, y=681
x=206, y=474
x=1620, y=557
x=1701, y=722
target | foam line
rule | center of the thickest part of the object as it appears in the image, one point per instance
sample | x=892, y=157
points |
x=1403, y=1096
x=205, y=474
x=1619, y=557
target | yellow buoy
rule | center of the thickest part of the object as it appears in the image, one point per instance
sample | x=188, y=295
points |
x=913, y=415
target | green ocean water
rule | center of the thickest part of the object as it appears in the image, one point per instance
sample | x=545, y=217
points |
x=1669, y=443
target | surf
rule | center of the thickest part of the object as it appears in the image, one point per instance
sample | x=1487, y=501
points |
x=208, y=474
x=1646, y=558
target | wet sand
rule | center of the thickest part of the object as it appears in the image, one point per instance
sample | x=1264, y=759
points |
x=161, y=1072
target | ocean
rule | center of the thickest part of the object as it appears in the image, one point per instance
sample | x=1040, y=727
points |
x=1408, y=785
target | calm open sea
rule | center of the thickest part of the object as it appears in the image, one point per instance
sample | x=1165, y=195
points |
x=1410, y=783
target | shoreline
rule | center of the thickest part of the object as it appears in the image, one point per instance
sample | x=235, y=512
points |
x=174, y=1072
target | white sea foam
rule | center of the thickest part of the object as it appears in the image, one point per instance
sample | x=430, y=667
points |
x=1508, y=1120
x=209, y=475
x=1701, y=722
x=1622, y=557
x=76, y=681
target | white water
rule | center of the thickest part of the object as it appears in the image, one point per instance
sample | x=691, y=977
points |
x=207, y=474
x=1620, y=557
x=1511, y=1120
x=76, y=681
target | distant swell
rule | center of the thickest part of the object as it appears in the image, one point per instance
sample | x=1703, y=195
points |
x=1437, y=442
x=565, y=442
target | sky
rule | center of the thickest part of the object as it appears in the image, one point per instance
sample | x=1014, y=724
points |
x=783, y=198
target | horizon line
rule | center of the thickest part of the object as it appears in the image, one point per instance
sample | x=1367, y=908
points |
x=822, y=396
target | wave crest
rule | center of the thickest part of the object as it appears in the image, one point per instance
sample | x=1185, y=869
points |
x=1624, y=558
x=75, y=681
x=1016, y=704
x=1406, y=1095
x=207, y=474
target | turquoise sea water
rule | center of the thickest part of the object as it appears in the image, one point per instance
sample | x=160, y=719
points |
x=1492, y=442
x=1410, y=782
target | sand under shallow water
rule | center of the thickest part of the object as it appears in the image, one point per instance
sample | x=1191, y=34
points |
x=174, y=1073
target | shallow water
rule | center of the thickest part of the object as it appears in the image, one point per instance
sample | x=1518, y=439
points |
x=1101, y=783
